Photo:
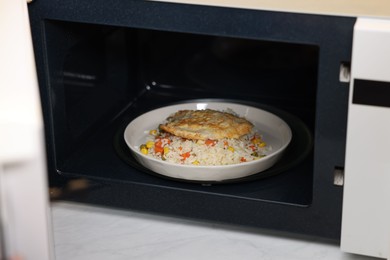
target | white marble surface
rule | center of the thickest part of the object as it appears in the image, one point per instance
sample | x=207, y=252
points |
x=87, y=232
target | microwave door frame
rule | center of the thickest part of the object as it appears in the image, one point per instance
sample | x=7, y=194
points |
x=366, y=210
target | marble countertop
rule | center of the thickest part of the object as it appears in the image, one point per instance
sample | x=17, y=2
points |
x=89, y=232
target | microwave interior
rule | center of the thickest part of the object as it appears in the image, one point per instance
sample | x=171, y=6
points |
x=111, y=75
x=96, y=77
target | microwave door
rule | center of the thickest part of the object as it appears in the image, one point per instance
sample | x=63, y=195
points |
x=24, y=203
x=366, y=202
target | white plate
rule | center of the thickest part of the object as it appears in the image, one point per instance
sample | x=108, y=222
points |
x=276, y=133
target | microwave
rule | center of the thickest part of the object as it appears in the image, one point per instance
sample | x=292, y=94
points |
x=323, y=69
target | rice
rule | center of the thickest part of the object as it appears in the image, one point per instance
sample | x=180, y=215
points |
x=170, y=148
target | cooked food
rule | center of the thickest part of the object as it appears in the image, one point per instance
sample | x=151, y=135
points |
x=215, y=143
x=225, y=151
x=206, y=124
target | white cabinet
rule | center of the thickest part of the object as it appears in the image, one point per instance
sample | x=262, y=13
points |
x=24, y=207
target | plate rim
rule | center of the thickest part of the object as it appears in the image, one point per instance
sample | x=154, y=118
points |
x=275, y=153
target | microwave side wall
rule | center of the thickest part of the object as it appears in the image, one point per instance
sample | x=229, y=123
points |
x=319, y=216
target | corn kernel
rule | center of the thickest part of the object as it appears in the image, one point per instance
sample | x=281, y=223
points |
x=144, y=150
x=262, y=144
x=196, y=162
x=166, y=150
x=149, y=144
x=256, y=140
x=153, y=132
x=230, y=149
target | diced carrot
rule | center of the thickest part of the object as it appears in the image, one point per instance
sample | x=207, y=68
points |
x=210, y=142
x=185, y=155
x=158, y=147
x=243, y=159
